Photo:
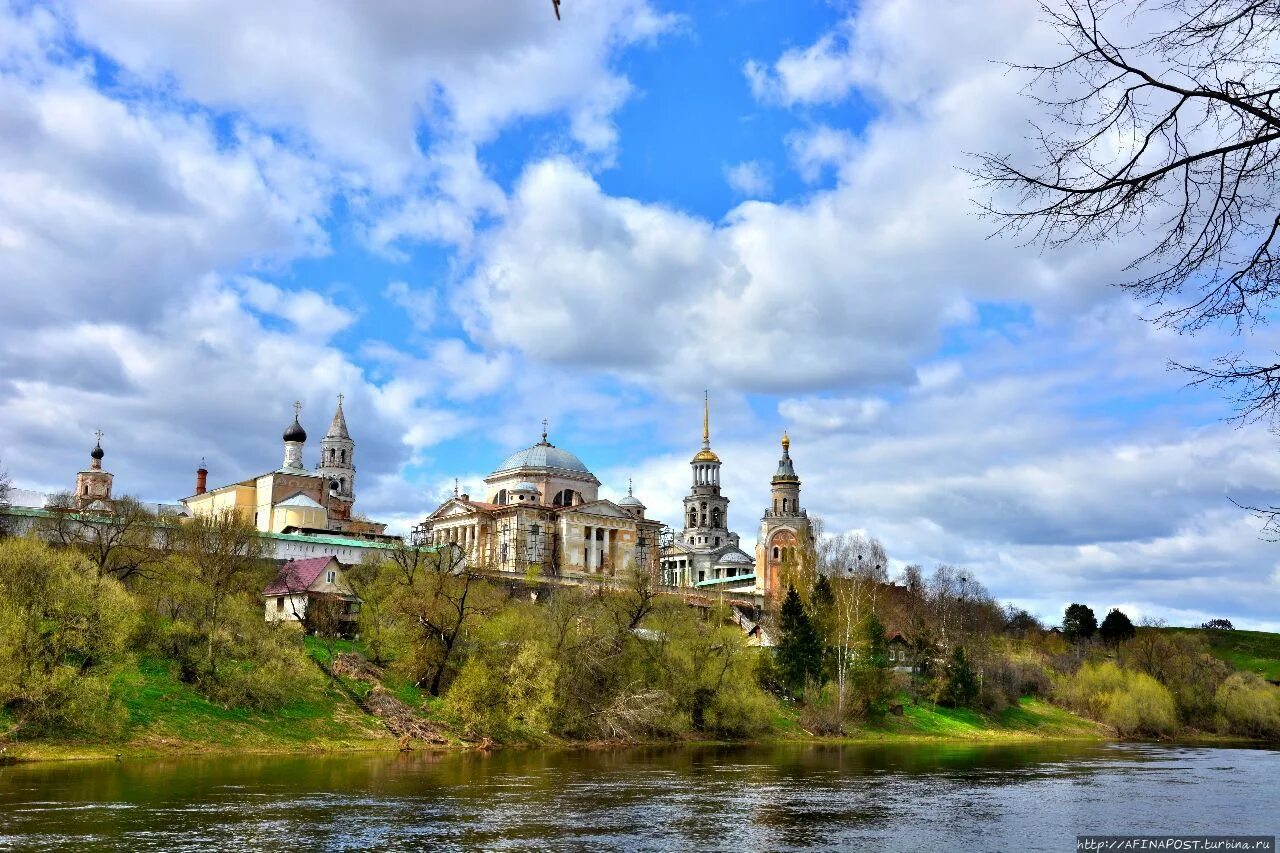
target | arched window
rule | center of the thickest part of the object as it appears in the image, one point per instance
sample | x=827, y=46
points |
x=565, y=497
x=776, y=552
x=715, y=517
x=502, y=497
x=342, y=483
x=784, y=504
x=693, y=517
x=342, y=456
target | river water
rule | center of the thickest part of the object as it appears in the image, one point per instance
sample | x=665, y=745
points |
x=929, y=797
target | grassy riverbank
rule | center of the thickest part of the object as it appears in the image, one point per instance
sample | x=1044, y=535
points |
x=167, y=717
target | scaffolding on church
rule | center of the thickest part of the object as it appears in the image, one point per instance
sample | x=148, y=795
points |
x=528, y=547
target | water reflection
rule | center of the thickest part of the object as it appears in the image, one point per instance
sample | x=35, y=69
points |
x=739, y=798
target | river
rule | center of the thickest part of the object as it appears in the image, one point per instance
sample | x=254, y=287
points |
x=927, y=797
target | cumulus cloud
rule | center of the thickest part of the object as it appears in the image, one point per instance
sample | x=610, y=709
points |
x=398, y=95
x=419, y=303
x=749, y=178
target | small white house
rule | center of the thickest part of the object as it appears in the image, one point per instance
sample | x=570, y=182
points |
x=299, y=582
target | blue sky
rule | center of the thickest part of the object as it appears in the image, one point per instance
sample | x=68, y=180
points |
x=469, y=217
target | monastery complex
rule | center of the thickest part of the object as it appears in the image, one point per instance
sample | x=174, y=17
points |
x=541, y=515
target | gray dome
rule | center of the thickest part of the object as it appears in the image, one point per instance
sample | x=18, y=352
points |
x=630, y=500
x=543, y=456
x=736, y=558
x=525, y=487
x=295, y=432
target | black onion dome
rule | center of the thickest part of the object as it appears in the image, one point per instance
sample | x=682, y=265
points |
x=295, y=432
x=97, y=453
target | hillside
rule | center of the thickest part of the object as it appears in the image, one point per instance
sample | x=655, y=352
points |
x=1254, y=651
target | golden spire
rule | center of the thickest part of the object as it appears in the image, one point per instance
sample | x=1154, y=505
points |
x=706, y=454
x=706, y=419
x=786, y=442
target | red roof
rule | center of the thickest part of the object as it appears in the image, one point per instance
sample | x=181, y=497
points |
x=298, y=575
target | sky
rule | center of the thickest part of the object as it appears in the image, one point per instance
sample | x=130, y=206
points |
x=468, y=217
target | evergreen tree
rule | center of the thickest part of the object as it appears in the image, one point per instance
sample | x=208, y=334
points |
x=1116, y=628
x=872, y=677
x=799, y=648
x=1079, y=623
x=962, y=687
x=822, y=609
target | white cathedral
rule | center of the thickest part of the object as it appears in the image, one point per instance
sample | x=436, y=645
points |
x=542, y=514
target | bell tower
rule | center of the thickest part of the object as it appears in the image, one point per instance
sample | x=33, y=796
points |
x=706, y=511
x=337, y=466
x=93, y=484
x=784, y=531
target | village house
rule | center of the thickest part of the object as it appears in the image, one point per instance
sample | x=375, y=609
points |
x=299, y=583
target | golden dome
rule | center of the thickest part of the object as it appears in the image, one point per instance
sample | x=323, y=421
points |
x=706, y=455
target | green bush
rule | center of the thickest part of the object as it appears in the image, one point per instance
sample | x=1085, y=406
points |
x=64, y=634
x=1132, y=702
x=1248, y=706
x=1142, y=707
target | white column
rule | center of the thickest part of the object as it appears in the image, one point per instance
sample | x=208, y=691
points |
x=590, y=542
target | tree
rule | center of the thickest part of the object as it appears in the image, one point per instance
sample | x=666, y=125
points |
x=1162, y=118
x=1079, y=623
x=799, y=648
x=1019, y=623
x=126, y=542
x=1116, y=628
x=871, y=672
x=441, y=595
x=326, y=621
x=217, y=562
x=1219, y=625
x=961, y=689
x=64, y=631
x=822, y=612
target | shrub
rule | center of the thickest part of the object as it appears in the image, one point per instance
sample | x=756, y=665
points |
x=1248, y=706
x=1132, y=702
x=63, y=636
x=1142, y=707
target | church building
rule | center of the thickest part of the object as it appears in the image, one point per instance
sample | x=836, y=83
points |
x=785, y=533
x=706, y=553
x=542, y=513
x=293, y=499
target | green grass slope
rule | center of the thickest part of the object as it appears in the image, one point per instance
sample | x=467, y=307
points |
x=1254, y=651
x=168, y=716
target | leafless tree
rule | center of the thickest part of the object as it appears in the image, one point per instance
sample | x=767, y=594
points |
x=326, y=619
x=127, y=541
x=444, y=594
x=1161, y=118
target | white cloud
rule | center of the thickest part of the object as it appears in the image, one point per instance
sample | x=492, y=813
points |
x=359, y=81
x=749, y=178
x=419, y=303
x=309, y=312
x=815, y=150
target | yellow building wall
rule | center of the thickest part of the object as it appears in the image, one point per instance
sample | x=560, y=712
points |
x=298, y=516
x=238, y=498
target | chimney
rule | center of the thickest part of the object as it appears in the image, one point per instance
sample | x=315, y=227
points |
x=202, y=479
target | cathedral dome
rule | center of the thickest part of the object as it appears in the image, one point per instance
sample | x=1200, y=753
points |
x=630, y=500
x=96, y=453
x=735, y=558
x=543, y=455
x=295, y=432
